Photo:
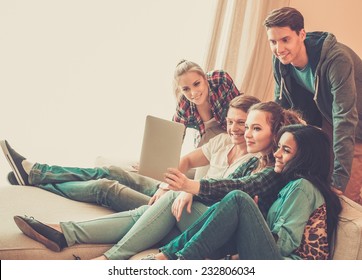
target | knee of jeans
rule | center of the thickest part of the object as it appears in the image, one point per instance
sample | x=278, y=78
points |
x=172, y=194
x=103, y=186
x=238, y=195
x=116, y=171
x=169, y=196
x=138, y=212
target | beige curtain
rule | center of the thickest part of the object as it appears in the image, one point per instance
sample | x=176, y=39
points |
x=239, y=45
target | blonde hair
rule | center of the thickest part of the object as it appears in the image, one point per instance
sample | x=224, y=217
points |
x=183, y=67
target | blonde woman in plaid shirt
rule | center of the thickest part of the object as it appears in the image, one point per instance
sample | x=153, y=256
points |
x=202, y=99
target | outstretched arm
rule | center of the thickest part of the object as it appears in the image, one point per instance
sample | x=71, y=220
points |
x=179, y=182
x=193, y=159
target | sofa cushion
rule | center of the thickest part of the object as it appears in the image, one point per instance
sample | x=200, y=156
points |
x=46, y=207
x=349, y=233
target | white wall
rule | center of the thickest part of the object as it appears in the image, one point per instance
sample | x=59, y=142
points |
x=78, y=77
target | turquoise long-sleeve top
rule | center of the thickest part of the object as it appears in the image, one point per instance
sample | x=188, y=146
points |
x=289, y=214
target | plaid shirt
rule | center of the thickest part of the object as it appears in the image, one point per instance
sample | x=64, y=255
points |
x=221, y=91
x=266, y=184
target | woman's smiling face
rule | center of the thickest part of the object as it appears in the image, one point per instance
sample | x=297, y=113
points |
x=194, y=87
x=258, y=132
x=287, y=149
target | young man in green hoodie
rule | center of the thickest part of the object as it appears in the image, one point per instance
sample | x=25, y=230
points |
x=321, y=78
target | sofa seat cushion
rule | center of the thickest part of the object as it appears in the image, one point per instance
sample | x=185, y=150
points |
x=48, y=208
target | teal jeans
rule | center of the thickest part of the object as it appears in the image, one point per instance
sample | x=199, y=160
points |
x=111, y=187
x=234, y=221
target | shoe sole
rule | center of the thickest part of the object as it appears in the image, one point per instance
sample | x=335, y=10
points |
x=12, y=179
x=33, y=234
x=11, y=162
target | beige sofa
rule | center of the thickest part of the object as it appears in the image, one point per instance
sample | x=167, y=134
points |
x=47, y=207
x=51, y=208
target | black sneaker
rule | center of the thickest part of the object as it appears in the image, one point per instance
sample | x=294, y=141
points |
x=15, y=161
x=12, y=178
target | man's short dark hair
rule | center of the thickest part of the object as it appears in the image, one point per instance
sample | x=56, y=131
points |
x=283, y=17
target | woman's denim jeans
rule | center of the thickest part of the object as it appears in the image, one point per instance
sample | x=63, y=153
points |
x=135, y=230
x=112, y=187
x=235, y=219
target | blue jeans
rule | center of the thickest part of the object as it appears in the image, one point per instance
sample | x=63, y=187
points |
x=112, y=187
x=135, y=230
x=235, y=219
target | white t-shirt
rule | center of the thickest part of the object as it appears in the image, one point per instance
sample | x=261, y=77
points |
x=216, y=151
